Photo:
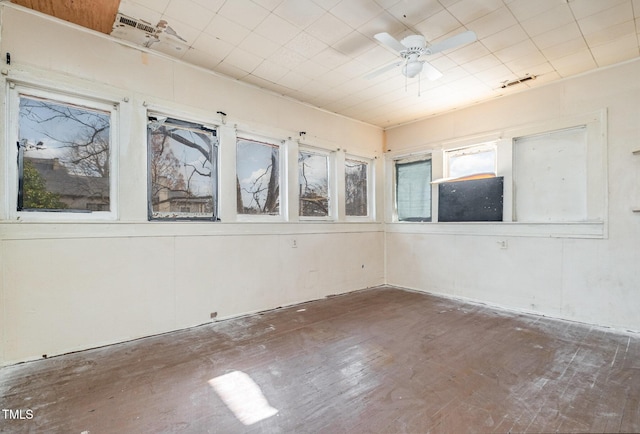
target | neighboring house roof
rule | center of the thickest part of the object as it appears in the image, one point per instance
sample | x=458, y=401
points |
x=60, y=181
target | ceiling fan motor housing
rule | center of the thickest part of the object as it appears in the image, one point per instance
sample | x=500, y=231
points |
x=414, y=43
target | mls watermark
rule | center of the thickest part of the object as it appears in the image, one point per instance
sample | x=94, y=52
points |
x=17, y=414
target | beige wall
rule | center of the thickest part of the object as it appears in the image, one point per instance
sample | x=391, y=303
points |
x=586, y=272
x=67, y=286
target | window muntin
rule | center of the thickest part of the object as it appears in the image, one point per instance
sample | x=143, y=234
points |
x=313, y=181
x=257, y=177
x=64, y=156
x=356, y=181
x=182, y=170
x=413, y=190
x=479, y=159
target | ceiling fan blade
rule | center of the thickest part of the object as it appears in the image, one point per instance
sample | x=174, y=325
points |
x=454, y=41
x=389, y=41
x=430, y=71
x=384, y=69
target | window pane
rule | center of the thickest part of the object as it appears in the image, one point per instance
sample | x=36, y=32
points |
x=314, y=184
x=65, y=156
x=466, y=164
x=181, y=169
x=355, y=174
x=413, y=190
x=257, y=179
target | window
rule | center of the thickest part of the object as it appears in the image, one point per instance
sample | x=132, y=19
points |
x=64, y=155
x=182, y=170
x=257, y=177
x=474, y=160
x=550, y=176
x=313, y=180
x=548, y=179
x=471, y=191
x=413, y=190
x=355, y=179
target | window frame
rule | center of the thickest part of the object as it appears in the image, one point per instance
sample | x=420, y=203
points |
x=331, y=200
x=17, y=89
x=518, y=170
x=215, y=171
x=370, y=188
x=282, y=176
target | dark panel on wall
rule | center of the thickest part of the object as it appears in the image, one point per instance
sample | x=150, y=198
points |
x=477, y=200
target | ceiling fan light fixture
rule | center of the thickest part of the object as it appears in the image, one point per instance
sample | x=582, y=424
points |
x=411, y=69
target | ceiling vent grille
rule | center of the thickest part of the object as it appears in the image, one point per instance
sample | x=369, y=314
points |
x=127, y=21
x=517, y=81
x=124, y=20
x=146, y=27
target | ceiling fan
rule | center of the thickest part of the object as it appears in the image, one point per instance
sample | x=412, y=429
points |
x=412, y=50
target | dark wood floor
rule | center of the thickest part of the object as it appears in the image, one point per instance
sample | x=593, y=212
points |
x=382, y=360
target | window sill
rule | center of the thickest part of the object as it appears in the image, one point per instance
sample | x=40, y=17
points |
x=15, y=230
x=595, y=230
x=259, y=218
x=358, y=219
x=62, y=217
x=303, y=219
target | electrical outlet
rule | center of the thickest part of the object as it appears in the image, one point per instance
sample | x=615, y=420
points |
x=503, y=244
x=294, y=243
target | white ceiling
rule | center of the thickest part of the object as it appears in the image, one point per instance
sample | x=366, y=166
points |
x=318, y=51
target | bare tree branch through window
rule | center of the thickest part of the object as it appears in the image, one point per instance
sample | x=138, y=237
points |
x=355, y=177
x=258, y=177
x=67, y=148
x=181, y=170
x=313, y=179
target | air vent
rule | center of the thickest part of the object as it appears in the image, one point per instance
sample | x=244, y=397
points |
x=518, y=81
x=146, y=27
x=127, y=21
x=124, y=20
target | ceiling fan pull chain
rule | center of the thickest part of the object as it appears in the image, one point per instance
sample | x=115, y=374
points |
x=405, y=79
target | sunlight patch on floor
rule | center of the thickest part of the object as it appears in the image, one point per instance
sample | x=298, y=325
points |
x=243, y=397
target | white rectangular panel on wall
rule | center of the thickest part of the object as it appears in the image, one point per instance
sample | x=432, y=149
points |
x=550, y=176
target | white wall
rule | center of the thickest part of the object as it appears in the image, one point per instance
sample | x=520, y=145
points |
x=67, y=286
x=70, y=286
x=585, y=272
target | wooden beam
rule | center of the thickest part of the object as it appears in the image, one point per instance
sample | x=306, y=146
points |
x=97, y=15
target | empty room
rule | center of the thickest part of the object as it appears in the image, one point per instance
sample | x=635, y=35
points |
x=336, y=216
